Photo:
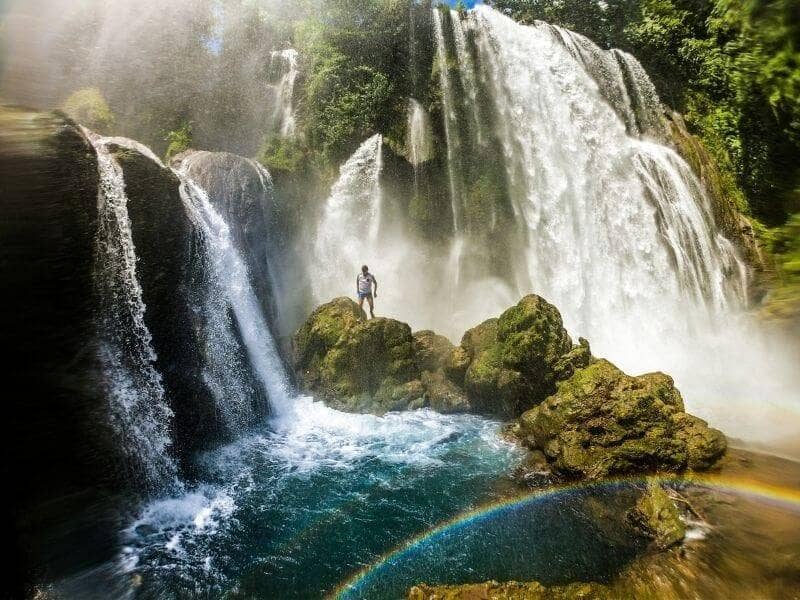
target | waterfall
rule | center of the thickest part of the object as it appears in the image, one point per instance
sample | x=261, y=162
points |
x=230, y=292
x=607, y=221
x=137, y=408
x=451, y=126
x=468, y=73
x=347, y=236
x=284, y=64
x=617, y=230
x=419, y=143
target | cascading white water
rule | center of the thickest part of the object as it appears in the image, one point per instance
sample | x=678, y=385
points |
x=618, y=231
x=347, y=236
x=419, y=142
x=468, y=73
x=137, y=407
x=451, y=129
x=283, y=117
x=416, y=283
x=613, y=228
x=233, y=290
x=608, y=224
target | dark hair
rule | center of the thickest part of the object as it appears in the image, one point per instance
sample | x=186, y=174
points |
x=364, y=268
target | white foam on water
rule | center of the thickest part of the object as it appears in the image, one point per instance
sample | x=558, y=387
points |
x=309, y=440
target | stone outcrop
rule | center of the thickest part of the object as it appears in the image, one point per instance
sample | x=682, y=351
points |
x=432, y=353
x=512, y=363
x=357, y=365
x=602, y=422
x=167, y=270
x=67, y=462
x=587, y=418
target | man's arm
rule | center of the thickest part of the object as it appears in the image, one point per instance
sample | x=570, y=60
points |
x=375, y=285
x=357, y=285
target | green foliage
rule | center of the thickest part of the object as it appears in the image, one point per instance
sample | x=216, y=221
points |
x=344, y=104
x=283, y=154
x=354, y=55
x=179, y=140
x=89, y=108
x=784, y=242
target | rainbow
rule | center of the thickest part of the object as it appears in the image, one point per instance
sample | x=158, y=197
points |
x=752, y=489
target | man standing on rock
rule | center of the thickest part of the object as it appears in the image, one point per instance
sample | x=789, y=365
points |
x=364, y=286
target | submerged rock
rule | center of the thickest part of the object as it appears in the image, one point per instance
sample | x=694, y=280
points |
x=657, y=517
x=357, y=365
x=602, y=422
x=512, y=363
x=513, y=590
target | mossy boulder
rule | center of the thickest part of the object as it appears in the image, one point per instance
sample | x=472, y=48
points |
x=602, y=422
x=431, y=350
x=88, y=107
x=323, y=329
x=512, y=363
x=357, y=365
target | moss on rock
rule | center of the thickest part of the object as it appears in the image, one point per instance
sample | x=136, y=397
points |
x=514, y=590
x=357, y=365
x=602, y=422
x=657, y=517
x=512, y=363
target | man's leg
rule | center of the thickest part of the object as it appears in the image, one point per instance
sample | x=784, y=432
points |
x=371, y=306
x=360, y=305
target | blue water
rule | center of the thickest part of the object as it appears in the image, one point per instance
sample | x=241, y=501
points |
x=294, y=511
x=318, y=496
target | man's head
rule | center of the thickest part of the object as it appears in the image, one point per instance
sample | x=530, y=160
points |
x=364, y=269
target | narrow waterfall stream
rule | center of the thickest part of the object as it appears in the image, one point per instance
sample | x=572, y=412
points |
x=284, y=63
x=137, y=408
x=233, y=281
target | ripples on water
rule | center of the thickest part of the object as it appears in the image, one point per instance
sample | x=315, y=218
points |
x=293, y=511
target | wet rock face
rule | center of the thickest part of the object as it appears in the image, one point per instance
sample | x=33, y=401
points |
x=166, y=247
x=66, y=462
x=242, y=193
x=602, y=422
x=512, y=363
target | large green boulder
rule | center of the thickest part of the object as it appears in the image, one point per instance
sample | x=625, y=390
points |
x=512, y=363
x=602, y=422
x=357, y=365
